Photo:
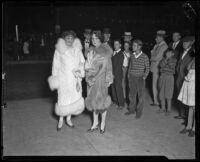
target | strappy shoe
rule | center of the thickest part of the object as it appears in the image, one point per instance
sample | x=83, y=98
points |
x=93, y=129
x=102, y=131
x=184, y=131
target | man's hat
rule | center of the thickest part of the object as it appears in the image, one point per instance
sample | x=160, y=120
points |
x=188, y=39
x=128, y=34
x=106, y=31
x=161, y=33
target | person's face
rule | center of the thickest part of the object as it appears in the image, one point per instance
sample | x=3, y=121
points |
x=127, y=38
x=95, y=40
x=176, y=37
x=69, y=40
x=87, y=36
x=136, y=47
x=117, y=45
x=186, y=45
x=106, y=37
x=126, y=46
x=169, y=54
x=159, y=39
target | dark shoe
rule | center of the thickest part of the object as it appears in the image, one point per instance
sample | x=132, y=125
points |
x=137, y=117
x=154, y=104
x=191, y=133
x=93, y=129
x=178, y=117
x=119, y=107
x=167, y=113
x=184, y=123
x=71, y=126
x=160, y=111
x=58, y=129
x=129, y=113
x=114, y=105
x=102, y=131
x=184, y=131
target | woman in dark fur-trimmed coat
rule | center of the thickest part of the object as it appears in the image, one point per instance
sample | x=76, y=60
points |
x=98, y=70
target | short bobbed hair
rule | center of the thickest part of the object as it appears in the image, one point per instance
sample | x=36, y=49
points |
x=98, y=34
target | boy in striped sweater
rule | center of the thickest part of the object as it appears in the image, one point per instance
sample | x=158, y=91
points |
x=166, y=80
x=137, y=74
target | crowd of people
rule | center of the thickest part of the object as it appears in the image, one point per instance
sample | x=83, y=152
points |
x=115, y=73
x=30, y=46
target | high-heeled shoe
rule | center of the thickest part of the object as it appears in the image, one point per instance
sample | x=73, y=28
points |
x=59, y=129
x=71, y=126
x=102, y=131
x=93, y=129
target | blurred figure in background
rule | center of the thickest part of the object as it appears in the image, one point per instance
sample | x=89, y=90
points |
x=87, y=41
x=176, y=44
x=156, y=56
x=182, y=70
x=166, y=80
x=26, y=51
x=107, y=35
x=127, y=54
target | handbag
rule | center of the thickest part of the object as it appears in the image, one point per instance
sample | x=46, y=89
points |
x=78, y=87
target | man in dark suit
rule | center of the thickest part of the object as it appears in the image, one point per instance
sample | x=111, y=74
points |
x=117, y=63
x=87, y=41
x=107, y=35
x=182, y=71
x=177, y=44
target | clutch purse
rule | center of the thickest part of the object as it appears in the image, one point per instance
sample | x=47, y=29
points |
x=78, y=87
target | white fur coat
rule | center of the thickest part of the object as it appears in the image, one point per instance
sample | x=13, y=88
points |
x=67, y=73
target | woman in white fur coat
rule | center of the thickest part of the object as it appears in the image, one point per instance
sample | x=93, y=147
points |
x=67, y=74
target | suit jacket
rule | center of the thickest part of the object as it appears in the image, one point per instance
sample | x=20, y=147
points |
x=178, y=49
x=156, y=56
x=117, y=63
x=182, y=67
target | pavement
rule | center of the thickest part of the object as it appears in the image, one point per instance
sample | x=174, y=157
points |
x=29, y=128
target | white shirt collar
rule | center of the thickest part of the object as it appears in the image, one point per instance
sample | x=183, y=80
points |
x=136, y=56
x=177, y=42
x=116, y=51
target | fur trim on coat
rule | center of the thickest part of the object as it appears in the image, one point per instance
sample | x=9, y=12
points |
x=75, y=108
x=53, y=82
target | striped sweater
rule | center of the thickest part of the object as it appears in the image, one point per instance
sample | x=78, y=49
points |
x=167, y=66
x=139, y=67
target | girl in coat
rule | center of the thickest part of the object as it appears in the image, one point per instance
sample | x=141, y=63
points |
x=67, y=73
x=98, y=69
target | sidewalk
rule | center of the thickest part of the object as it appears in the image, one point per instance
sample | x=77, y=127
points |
x=29, y=128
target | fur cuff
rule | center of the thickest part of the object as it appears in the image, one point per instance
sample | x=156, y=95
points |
x=53, y=82
x=75, y=108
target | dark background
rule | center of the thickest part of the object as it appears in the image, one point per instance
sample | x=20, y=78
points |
x=143, y=19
